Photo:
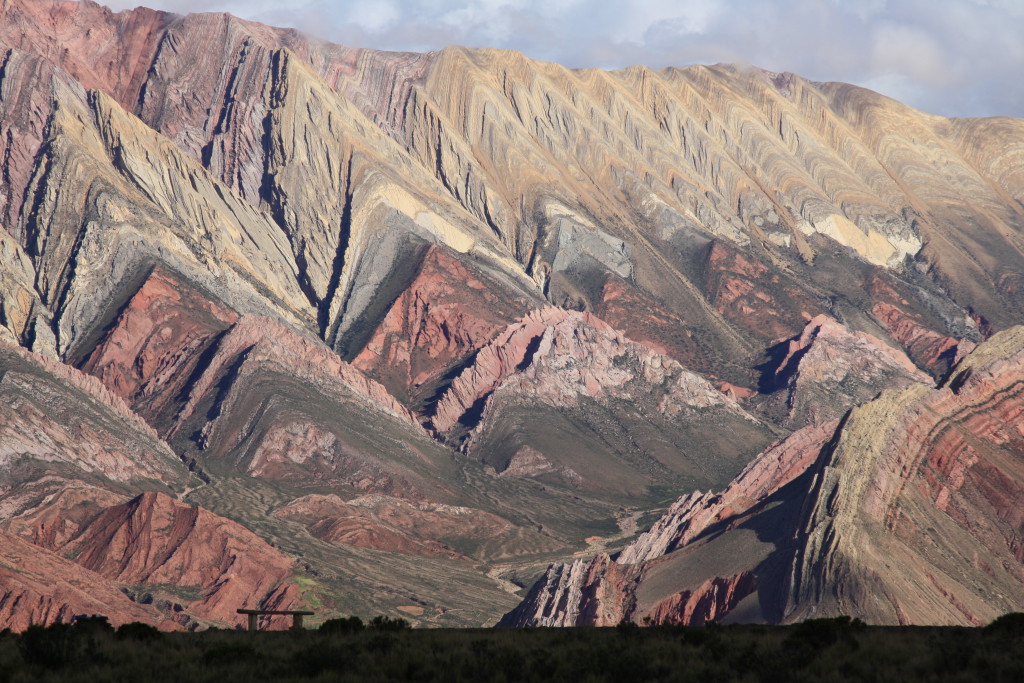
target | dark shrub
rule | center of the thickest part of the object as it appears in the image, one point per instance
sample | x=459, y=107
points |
x=51, y=647
x=821, y=633
x=229, y=654
x=138, y=631
x=382, y=623
x=1011, y=624
x=695, y=636
x=342, y=625
x=91, y=623
x=627, y=628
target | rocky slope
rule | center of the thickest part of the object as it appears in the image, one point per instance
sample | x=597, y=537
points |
x=58, y=424
x=661, y=174
x=447, y=312
x=463, y=313
x=155, y=540
x=562, y=395
x=565, y=181
x=38, y=587
x=188, y=564
x=828, y=369
x=908, y=512
x=73, y=453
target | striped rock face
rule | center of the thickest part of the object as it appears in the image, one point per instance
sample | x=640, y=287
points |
x=905, y=512
x=463, y=314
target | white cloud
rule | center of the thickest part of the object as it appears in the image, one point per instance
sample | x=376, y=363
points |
x=374, y=16
x=641, y=17
x=911, y=52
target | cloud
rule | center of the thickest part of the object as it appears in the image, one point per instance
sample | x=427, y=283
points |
x=910, y=51
x=374, y=16
x=951, y=57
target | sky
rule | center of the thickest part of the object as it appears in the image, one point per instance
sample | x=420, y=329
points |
x=948, y=57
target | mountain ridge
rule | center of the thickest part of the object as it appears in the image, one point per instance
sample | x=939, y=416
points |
x=302, y=271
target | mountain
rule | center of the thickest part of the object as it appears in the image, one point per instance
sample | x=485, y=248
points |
x=405, y=329
x=78, y=538
x=906, y=511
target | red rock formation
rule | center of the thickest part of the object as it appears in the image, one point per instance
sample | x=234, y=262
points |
x=152, y=351
x=567, y=387
x=448, y=311
x=710, y=601
x=754, y=297
x=257, y=340
x=828, y=369
x=509, y=352
x=929, y=348
x=40, y=587
x=909, y=513
x=153, y=347
x=287, y=409
x=194, y=566
x=569, y=355
x=62, y=515
x=156, y=540
x=100, y=49
x=642, y=319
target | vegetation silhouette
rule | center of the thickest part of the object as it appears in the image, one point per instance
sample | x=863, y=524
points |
x=387, y=649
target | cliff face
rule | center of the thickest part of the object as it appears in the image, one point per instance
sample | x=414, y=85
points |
x=941, y=542
x=448, y=311
x=170, y=558
x=155, y=540
x=285, y=408
x=150, y=351
x=572, y=178
x=464, y=310
x=906, y=513
x=644, y=190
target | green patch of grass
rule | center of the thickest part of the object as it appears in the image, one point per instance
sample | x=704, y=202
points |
x=310, y=590
x=167, y=590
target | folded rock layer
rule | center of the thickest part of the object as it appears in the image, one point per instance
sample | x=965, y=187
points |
x=422, y=324
x=907, y=512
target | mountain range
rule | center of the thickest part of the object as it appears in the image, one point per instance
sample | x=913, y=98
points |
x=465, y=337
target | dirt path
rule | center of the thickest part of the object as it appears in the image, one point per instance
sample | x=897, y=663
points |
x=494, y=574
x=627, y=522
